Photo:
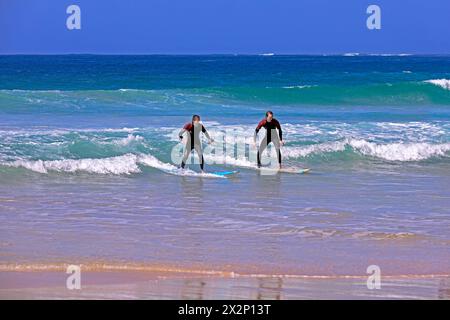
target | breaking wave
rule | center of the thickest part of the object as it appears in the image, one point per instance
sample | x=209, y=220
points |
x=389, y=151
x=443, y=83
x=121, y=165
x=130, y=163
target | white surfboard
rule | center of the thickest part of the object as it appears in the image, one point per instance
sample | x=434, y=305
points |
x=287, y=170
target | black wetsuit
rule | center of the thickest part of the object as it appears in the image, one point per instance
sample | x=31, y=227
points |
x=271, y=136
x=193, y=142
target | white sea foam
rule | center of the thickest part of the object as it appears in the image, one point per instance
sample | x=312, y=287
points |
x=130, y=163
x=36, y=166
x=400, y=151
x=298, y=87
x=389, y=151
x=120, y=165
x=321, y=148
x=129, y=140
x=390, y=54
x=443, y=83
x=416, y=140
x=128, y=90
x=126, y=164
x=151, y=161
x=242, y=162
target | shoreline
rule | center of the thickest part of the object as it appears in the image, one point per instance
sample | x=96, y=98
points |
x=230, y=271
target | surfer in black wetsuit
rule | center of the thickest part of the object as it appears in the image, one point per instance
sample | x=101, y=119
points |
x=193, y=140
x=270, y=124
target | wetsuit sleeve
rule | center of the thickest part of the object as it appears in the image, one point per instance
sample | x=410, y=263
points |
x=183, y=130
x=279, y=130
x=258, y=127
x=206, y=133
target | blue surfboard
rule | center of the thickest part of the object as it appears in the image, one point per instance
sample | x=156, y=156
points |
x=225, y=173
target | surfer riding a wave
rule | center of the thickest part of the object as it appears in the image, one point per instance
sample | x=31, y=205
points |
x=193, y=140
x=270, y=124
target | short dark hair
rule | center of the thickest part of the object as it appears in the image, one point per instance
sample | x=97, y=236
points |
x=195, y=116
x=269, y=112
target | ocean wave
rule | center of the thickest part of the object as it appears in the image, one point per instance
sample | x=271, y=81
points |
x=371, y=94
x=390, y=141
x=130, y=139
x=395, y=152
x=404, y=92
x=124, y=151
x=331, y=131
x=321, y=148
x=121, y=165
x=402, y=152
x=151, y=161
x=105, y=100
x=126, y=164
x=443, y=83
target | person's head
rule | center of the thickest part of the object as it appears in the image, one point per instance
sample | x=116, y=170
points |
x=269, y=115
x=195, y=119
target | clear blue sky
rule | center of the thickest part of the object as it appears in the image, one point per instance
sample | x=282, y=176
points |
x=224, y=26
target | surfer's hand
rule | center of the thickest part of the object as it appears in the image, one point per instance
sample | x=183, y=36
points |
x=282, y=142
x=211, y=141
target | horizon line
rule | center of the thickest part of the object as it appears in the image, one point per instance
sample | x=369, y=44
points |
x=262, y=54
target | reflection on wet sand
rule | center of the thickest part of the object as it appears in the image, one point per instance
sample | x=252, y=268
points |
x=264, y=288
x=269, y=288
x=444, y=289
x=146, y=286
x=193, y=289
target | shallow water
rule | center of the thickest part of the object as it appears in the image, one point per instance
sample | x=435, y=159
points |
x=86, y=173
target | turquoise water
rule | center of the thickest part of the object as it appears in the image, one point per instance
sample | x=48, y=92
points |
x=87, y=173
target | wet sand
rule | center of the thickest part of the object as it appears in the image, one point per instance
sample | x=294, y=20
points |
x=169, y=285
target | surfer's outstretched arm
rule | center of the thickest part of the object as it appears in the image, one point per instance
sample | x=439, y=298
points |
x=207, y=134
x=258, y=127
x=280, y=132
x=183, y=130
